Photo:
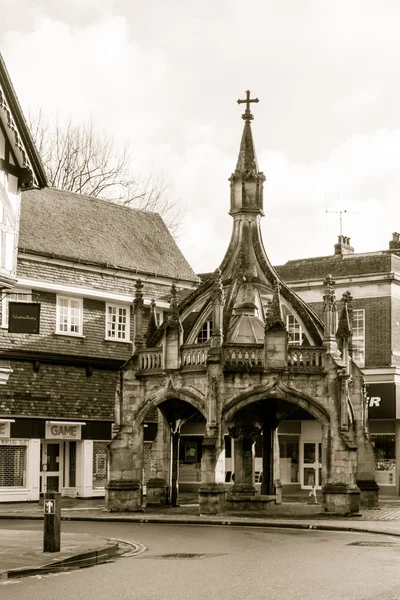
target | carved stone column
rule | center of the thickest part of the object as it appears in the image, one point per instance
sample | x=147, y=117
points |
x=244, y=436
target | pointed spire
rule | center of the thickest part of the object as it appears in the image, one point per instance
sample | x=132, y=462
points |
x=274, y=315
x=247, y=160
x=152, y=324
x=138, y=301
x=218, y=290
x=247, y=181
x=138, y=305
x=173, y=313
x=330, y=316
x=345, y=326
x=217, y=310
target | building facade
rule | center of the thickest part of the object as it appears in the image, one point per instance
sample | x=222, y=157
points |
x=79, y=260
x=373, y=281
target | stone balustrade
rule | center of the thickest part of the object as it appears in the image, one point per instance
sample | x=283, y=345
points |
x=306, y=358
x=150, y=359
x=194, y=355
x=251, y=355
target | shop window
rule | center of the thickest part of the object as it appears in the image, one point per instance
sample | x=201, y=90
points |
x=294, y=330
x=12, y=466
x=385, y=458
x=69, y=315
x=205, y=333
x=117, y=323
x=16, y=296
x=358, y=339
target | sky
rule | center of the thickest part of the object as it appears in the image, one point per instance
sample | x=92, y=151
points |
x=165, y=77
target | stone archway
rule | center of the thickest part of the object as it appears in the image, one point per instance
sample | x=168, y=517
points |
x=256, y=415
x=178, y=408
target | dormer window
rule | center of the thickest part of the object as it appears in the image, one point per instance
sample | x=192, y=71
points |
x=205, y=333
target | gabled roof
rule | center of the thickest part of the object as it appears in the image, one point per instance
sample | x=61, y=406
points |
x=17, y=129
x=94, y=231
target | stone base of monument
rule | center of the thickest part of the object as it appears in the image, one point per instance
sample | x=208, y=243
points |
x=156, y=492
x=369, y=493
x=250, y=503
x=212, y=498
x=341, y=498
x=124, y=496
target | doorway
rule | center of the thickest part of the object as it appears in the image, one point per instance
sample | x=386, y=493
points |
x=51, y=466
x=311, y=465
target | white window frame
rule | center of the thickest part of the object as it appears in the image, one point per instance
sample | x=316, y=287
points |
x=358, y=354
x=17, y=295
x=294, y=328
x=69, y=300
x=118, y=307
x=207, y=325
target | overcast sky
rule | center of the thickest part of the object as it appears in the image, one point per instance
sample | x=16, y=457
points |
x=166, y=75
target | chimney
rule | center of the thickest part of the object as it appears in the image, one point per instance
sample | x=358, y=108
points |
x=343, y=246
x=395, y=243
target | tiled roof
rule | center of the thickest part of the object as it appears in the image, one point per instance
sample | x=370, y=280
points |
x=95, y=231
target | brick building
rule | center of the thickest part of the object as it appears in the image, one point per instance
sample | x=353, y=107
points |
x=373, y=281
x=79, y=258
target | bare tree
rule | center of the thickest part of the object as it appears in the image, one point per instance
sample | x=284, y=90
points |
x=79, y=158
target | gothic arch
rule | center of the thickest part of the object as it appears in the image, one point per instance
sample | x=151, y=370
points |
x=189, y=395
x=276, y=389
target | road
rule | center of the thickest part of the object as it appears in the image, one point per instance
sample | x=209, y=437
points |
x=224, y=563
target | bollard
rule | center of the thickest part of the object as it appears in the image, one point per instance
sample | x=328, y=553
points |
x=52, y=522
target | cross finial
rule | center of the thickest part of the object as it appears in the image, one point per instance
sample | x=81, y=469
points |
x=247, y=116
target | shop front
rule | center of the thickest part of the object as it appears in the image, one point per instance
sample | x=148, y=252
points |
x=381, y=399
x=39, y=456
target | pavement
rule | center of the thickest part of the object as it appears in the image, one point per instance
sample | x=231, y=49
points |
x=21, y=551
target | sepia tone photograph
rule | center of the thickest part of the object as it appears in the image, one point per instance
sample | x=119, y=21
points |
x=199, y=300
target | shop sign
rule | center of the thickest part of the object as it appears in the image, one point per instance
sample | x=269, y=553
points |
x=23, y=317
x=63, y=431
x=14, y=442
x=381, y=398
x=5, y=429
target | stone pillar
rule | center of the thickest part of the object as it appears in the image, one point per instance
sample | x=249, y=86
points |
x=341, y=494
x=158, y=484
x=212, y=490
x=175, y=438
x=244, y=459
x=124, y=488
x=267, y=486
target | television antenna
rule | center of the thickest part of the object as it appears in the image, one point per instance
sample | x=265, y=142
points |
x=341, y=212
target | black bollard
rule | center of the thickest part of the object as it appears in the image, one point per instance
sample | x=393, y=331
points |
x=52, y=522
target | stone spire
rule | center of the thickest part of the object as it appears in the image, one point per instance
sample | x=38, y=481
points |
x=173, y=313
x=274, y=315
x=330, y=316
x=247, y=181
x=218, y=306
x=138, y=305
x=345, y=329
x=152, y=324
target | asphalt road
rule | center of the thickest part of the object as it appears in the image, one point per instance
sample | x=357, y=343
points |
x=226, y=563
